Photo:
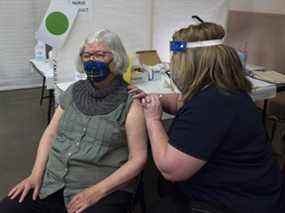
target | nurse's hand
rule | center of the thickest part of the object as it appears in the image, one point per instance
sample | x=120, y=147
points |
x=152, y=107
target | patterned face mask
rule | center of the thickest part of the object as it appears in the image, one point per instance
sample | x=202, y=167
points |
x=96, y=70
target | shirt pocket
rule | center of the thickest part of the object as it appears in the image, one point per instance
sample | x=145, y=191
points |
x=60, y=145
x=107, y=132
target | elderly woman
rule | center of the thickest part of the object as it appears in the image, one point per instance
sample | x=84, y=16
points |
x=216, y=151
x=94, y=147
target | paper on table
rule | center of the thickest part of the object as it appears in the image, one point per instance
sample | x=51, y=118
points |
x=270, y=76
x=262, y=90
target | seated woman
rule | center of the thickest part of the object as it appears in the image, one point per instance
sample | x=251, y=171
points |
x=95, y=146
x=216, y=152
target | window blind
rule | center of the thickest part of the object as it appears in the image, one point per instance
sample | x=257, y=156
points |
x=18, y=22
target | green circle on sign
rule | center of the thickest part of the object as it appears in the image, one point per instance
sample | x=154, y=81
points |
x=57, y=23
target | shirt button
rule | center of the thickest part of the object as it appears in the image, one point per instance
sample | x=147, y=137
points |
x=65, y=169
x=84, y=129
x=77, y=144
x=69, y=154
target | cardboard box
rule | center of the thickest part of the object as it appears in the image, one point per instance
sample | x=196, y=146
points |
x=148, y=57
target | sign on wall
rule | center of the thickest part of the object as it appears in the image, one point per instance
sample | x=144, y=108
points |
x=84, y=8
x=57, y=23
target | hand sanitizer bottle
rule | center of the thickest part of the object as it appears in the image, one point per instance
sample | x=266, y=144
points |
x=40, y=51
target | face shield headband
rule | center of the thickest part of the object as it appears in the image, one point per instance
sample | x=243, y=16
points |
x=182, y=46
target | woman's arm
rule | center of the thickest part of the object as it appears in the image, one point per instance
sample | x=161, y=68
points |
x=136, y=139
x=35, y=179
x=173, y=164
x=46, y=143
x=170, y=102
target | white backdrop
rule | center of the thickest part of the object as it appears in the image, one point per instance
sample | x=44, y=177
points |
x=141, y=25
x=169, y=16
x=130, y=19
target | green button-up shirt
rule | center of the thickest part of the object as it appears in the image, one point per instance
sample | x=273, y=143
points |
x=86, y=150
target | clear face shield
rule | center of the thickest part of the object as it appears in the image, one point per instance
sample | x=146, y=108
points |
x=182, y=46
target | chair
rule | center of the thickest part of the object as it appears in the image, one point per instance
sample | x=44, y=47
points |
x=138, y=197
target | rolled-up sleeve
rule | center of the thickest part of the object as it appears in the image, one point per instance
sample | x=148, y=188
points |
x=65, y=97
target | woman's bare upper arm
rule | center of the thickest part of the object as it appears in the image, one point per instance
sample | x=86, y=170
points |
x=135, y=128
x=54, y=123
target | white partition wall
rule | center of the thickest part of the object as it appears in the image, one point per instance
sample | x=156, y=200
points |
x=171, y=15
x=130, y=19
x=141, y=25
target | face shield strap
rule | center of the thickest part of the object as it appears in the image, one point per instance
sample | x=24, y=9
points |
x=181, y=46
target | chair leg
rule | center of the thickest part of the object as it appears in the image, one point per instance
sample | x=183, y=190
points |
x=142, y=200
x=264, y=111
x=138, y=197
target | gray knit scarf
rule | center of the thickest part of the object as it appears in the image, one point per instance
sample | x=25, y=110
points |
x=92, y=101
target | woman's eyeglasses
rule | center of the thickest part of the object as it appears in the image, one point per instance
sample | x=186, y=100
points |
x=96, y=54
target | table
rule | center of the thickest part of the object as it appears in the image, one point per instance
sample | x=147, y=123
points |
x=46, y=72
x=279, y=88
x=262, y=91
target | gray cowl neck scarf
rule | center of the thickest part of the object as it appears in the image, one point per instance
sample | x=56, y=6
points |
x=92, y=101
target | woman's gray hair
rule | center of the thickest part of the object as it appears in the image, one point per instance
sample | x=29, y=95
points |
x=113, y=41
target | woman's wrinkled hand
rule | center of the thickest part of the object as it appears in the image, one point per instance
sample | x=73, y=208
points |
x=23, y=188
x=152, y=107
x=83, y=200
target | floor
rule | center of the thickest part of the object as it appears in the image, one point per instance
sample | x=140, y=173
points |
x=22, y=121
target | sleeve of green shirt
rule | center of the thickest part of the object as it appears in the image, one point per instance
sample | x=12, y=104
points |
x=65, y=98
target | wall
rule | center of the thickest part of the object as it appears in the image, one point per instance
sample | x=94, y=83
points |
x=18, y=23
x=141, y=25
x=150, y=25
x=260, y=24
x=261, y=6
x=130, y=19
x=169, y=16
